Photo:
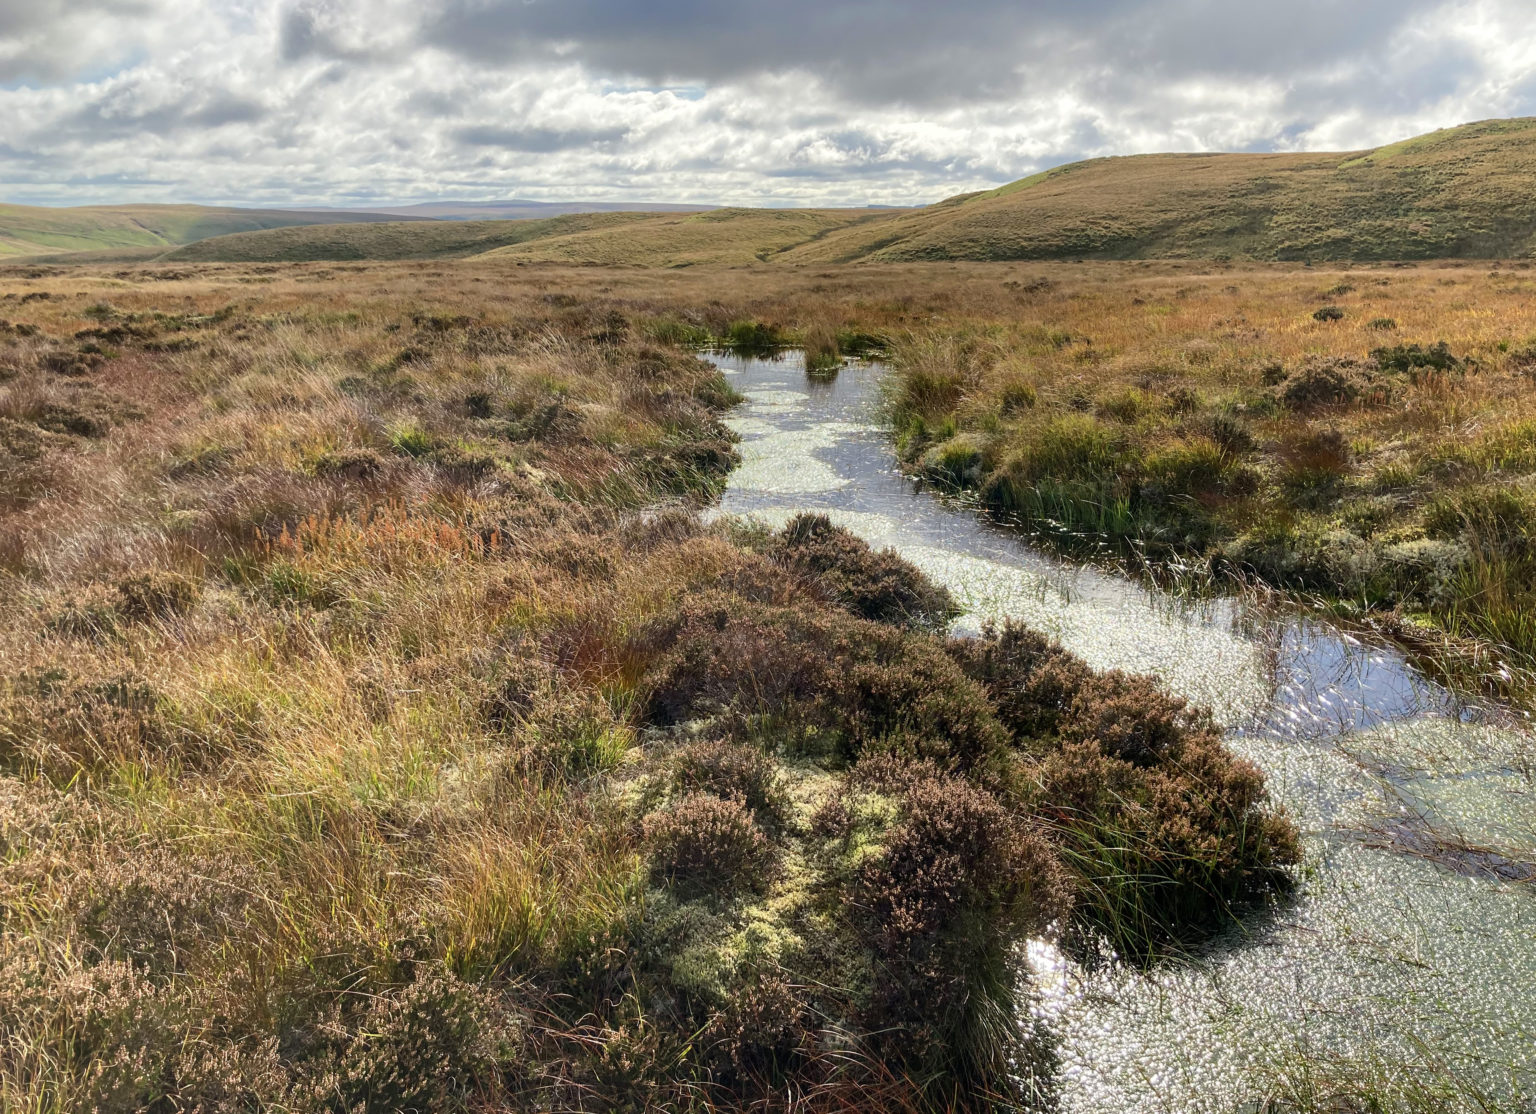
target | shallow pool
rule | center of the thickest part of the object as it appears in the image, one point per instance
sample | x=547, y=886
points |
x=1413, y=940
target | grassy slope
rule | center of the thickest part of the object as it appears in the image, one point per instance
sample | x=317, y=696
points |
x=391, y=240
x=27, y=230
x=732, y=236
x=1462, y=192
x=1458, y=193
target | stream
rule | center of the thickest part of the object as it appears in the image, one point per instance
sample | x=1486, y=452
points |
x=1413, y=937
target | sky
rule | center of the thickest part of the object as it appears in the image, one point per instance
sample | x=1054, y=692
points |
x=793, y=102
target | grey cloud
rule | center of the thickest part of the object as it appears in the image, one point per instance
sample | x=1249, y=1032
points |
x=536, y=140
x=918, y=51
x=109, y=118
x=51, y=39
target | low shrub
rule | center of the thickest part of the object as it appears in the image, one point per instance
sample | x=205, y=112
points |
x=1163, y=851
x=1031, y=681
x=705, y=843
x=1418, y=362
x=942, y=880
x=1328, y=313
x=873, y=584
x=159, y=594
x=734, y=770
x=1331, y=381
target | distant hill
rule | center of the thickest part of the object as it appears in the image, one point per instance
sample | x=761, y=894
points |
x=521, y=210
x=30, y=230
x=720, y=236
x=1464, y=192
x=391, y=239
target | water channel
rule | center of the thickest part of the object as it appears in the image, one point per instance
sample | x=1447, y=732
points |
x=1413, y=938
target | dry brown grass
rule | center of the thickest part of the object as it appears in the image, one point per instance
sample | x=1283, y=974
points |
x=331, y=637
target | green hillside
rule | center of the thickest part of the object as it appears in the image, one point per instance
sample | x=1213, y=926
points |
x=394, y=239
x=29, y=230
x=728, y=236
x=1466, y=192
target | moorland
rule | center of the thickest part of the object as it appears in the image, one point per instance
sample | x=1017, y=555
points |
x=382, y=726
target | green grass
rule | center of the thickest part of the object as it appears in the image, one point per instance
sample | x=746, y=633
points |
x=1456, y=193
x=28, y=230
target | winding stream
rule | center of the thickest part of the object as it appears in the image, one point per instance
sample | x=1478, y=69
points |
x=1414, y=937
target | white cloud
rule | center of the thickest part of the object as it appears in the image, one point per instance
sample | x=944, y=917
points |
x=800, y=102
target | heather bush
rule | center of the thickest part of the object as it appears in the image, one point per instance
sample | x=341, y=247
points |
x=1330, y=381
x=704, y=843
x=1032, y=682
x=941, y=880
x=1166, y=850
x=156, y=595
x=63, y=725
x=913, y=701
x=431, y=1045
x=735, y=770
x=878, y=585
x=720, y=652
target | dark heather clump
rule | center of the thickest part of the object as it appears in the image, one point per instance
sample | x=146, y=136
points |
x=734, y=770
x=859, y=686
x=873, y=584
x=957, y=877
x=1165, y=829
x=705, y=842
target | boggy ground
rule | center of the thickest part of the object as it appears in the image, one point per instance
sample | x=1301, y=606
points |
x=382, y=729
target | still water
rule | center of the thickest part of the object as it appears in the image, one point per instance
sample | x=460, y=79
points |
x=1414, y=936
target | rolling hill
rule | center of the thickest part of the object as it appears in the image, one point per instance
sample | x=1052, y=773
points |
x=29, y=230
x=665, y=239
x=1464, y=192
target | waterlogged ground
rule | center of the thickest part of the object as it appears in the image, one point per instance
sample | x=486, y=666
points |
x=1414, y=939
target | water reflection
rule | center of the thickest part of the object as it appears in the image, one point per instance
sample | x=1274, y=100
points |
x=1418, y=923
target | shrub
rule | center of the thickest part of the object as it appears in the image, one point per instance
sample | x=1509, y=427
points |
x=917, y=703
x=355, y=465
x=1418, y=362
x=156, y=595
x=153, y=907
x=1165, y=850
x=766, y=1022
x=735, y=770
x=720, y=652
x=1316, y=461
x=942, y=881
x=1031, y=680
x=878, y=585
x=91, y=612
x=1330, y=381
x=1384, y=324
x=428, y=1046
x=704, y=843
x=1130, y=717
x=1329, y=313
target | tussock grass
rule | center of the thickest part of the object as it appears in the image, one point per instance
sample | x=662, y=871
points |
x=381, y=729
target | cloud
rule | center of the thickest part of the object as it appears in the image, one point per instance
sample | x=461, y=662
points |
x=795, y=102
x=537, y=140
x=47, y=40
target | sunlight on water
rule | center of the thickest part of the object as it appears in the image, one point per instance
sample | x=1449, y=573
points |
x=1415, y=924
